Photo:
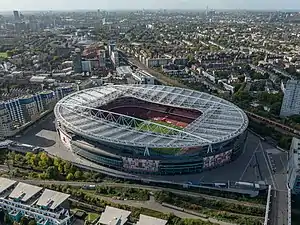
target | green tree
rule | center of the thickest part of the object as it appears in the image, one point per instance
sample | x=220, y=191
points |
x=67, y=167
x=78, y=175
x=44, y=161
x=31, y=159
x=43, y=176
x=275, y=108
x=57, y=162
x=24, y=220
x=52, y=172
x=7, y=220
x=86, y=175
x=70, y=176
x=32, y=222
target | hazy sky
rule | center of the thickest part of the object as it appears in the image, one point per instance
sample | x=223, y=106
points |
x=146, y=4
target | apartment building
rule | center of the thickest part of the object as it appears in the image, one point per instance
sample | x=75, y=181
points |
x=291, y=100
x=294, y=166
x=16, y=113
x=47, y=207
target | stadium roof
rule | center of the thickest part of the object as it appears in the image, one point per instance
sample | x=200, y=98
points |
x=149, y=220
x=52, y=199
x=220, y=119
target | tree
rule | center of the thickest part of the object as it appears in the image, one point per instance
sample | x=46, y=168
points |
x=31, y=159
x=67, y=167
x=57, y=162
x=275, y=108
x=32, y=222
x=7, y=220
x=24, y=220
x=87, y=175
x=52, y=172
x=45, y=160
x=78, y=175
x=43, y=176
x=70, y=176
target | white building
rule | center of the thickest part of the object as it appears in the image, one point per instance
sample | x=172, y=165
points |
x=86, y=66
x=294, y=166
x=47, y=207
x=143, y=77
x=114, y=216
x=19, y=112
x=291, y=100
x=115, y=58
x=149, y=220
x=157, y=62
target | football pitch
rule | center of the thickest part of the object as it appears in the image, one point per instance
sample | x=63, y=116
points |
x=3, y=55
x=152, y=127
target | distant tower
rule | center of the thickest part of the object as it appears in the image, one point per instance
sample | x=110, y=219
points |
x=77, y=61
x=111, y=47
x=206, y=11
x=16, y=15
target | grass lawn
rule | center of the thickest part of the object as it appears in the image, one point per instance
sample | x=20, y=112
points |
x=92, y=216
x=156, y=129
x=3, y=55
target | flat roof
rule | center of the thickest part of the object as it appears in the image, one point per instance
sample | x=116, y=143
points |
x=5, y=184
x=112, y=216
x=24, y=191
x=52, y=199
x=149, y=220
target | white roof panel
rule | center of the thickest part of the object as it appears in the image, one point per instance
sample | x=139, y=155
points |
x=52, y=199
x=24, y=192
x=5, y=184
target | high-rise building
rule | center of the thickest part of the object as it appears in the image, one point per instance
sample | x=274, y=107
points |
x=294, y=166
x=77, y=61
x=111, y=47
x=291, y=100
x=115, y=58
x=16, y=15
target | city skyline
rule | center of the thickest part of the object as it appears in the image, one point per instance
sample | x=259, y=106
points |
x=150, y=4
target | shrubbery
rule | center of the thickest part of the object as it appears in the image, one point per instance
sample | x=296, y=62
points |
x=214, y=208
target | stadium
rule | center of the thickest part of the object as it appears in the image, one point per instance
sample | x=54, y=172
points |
x=151, y=129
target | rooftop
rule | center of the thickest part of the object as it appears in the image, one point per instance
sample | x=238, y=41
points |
x=114, y=216
x=148, y=220
x=5, y=184
x=52, y=199
x=24, y=192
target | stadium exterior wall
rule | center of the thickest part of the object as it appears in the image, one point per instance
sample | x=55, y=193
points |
x=132, y=159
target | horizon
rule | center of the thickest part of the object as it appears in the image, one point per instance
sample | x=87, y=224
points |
x=150, y=9
x=121, y=5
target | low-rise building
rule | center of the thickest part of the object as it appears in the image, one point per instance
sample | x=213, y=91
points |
x=17, y=112
x=157, y=62
x=149, y=220
x=114, y=216
x=47, y=207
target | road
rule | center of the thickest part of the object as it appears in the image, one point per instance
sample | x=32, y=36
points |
x=145, y=187
x=153, y=205
x=44, y=135
x=258, y=162
x=162, y=78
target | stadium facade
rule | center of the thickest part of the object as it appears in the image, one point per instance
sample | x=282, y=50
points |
x=151, y=129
